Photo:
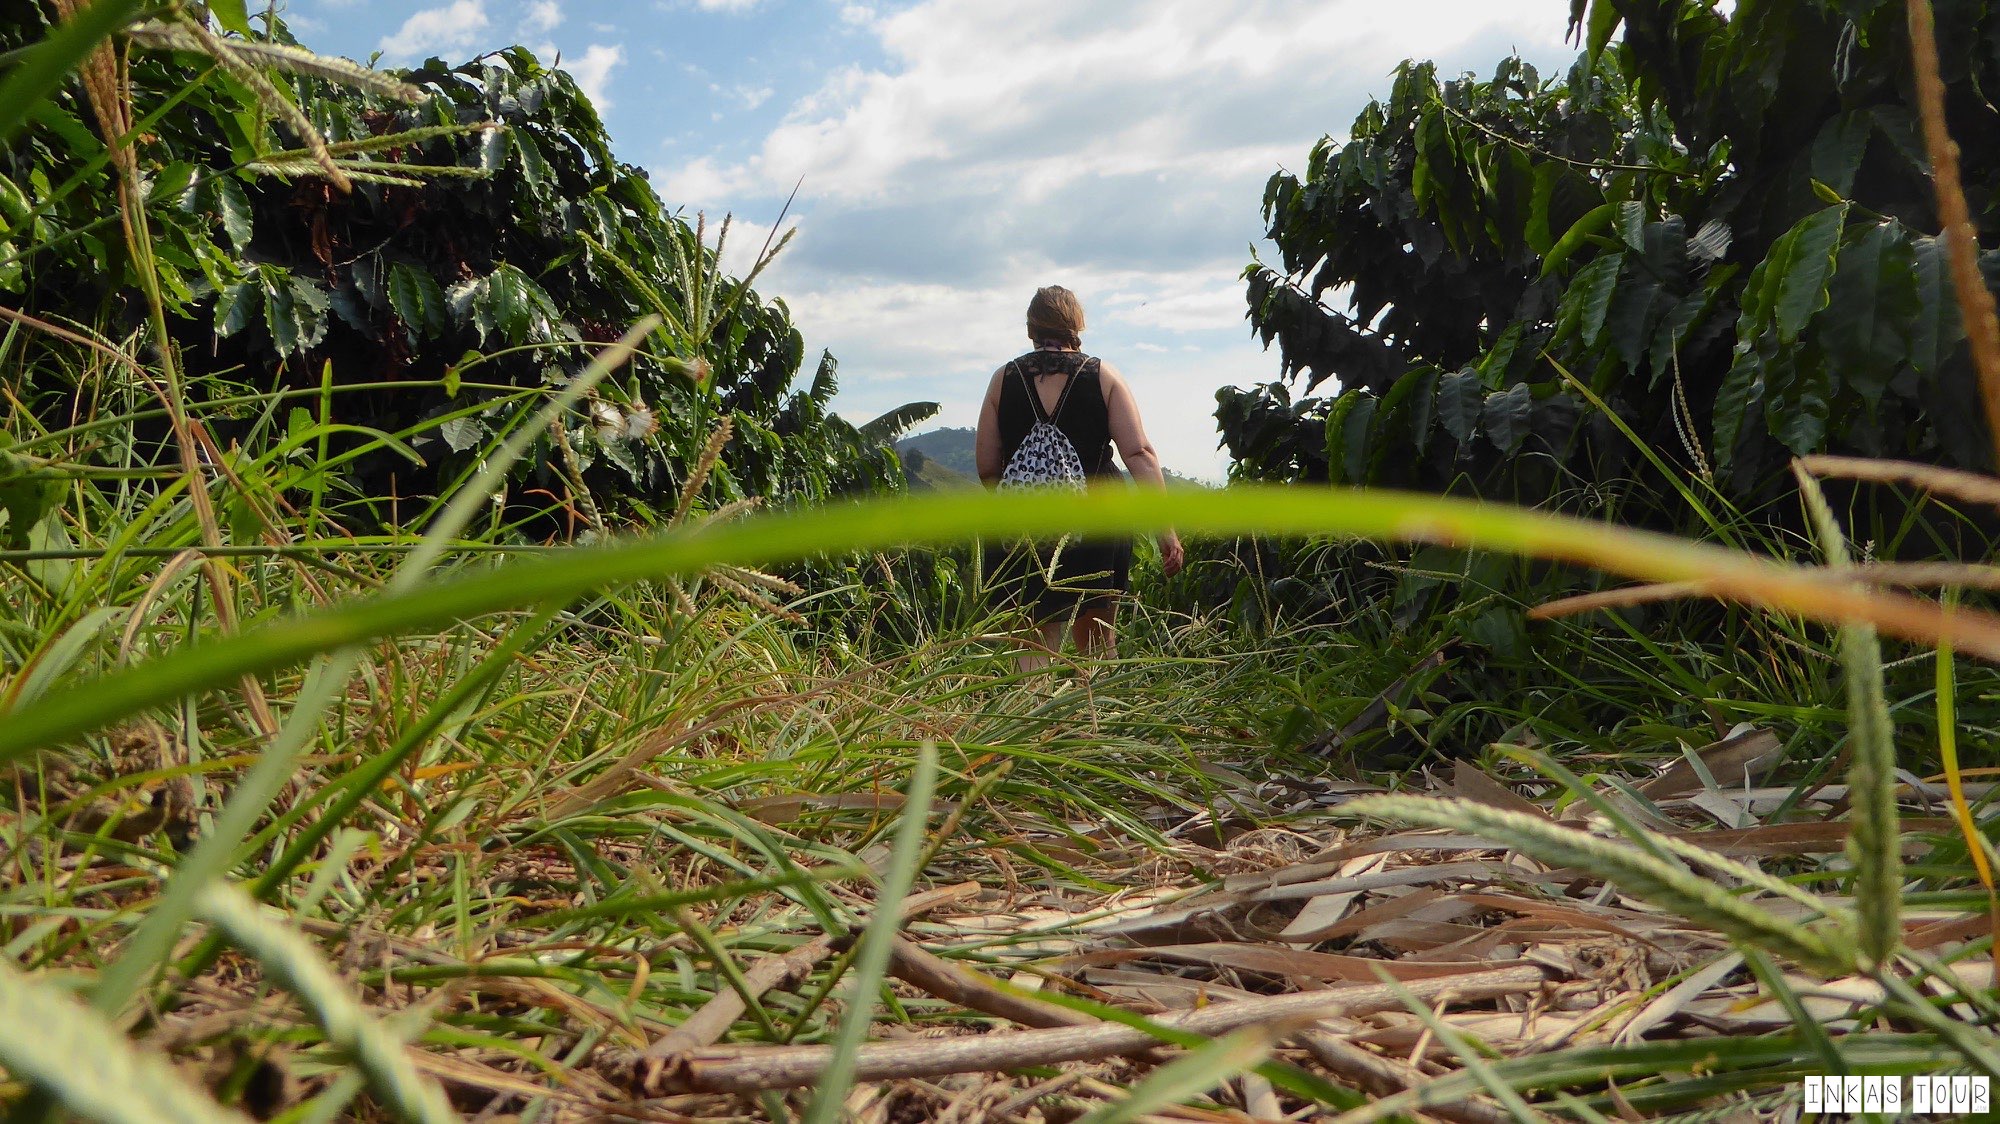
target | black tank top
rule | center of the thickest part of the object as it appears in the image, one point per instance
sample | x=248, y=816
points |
x=1082, y=415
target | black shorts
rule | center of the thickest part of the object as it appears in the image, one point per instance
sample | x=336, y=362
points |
x=1087, y=573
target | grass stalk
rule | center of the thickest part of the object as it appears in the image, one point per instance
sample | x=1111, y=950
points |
x=871, y=958
x=884, y=523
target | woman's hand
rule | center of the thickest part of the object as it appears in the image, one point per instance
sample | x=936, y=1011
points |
x=1171, y=554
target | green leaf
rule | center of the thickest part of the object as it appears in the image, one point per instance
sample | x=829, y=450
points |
x=233, y=15
x=1460, y=398
x=236, y=307
x=1604, y=20
x=1875, y=845
x=1936, y=328
x=1813, y=245
x=415, y=606
x=896, y=422
x=1741, y=392
x=1536, y=231
x=1870, y=304
x=1632, y=224
x=1799, y=407
x=287, y=958
x=1354, y=437
x=505, y=303
x=1506, y=417
x=1837, y=151
x=463, y=433
x=232, y=208
x=1590, y=293
x=27, y=498
x=1574, y=238
x=417, y=300
x=871, y=958
x=295, y=309
x=1335, y=436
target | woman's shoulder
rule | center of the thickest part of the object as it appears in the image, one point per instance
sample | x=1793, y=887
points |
x=1107, y=372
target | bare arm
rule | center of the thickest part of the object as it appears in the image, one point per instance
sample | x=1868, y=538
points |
x=986, y=442
x=1128, y=432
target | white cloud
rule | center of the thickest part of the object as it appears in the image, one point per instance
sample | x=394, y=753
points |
x=700, y=182
x=593, y=72
x=726, y=5
x=541, y=17
x=1119, y=147
x=454, y=26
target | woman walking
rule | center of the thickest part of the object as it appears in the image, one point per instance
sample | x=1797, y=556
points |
x=1088, y=403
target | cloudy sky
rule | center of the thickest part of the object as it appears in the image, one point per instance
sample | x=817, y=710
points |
x=953, y=155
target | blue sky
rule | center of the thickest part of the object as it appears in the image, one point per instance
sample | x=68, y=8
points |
x=953, y=155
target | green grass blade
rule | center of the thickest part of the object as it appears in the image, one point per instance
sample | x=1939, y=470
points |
x=152, y=942
x=1468, y=1055
x=871, y=959
x=1875, y=839
x=292, y=962
x=884, y=523
x=51, y=1039
x=1192, y=1074
x=1672, y=887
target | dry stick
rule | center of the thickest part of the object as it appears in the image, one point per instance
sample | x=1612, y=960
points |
x=955, y=983
x=751, y=1069
x=1385, y=1077
x=1975, y=301
x=720, y=1013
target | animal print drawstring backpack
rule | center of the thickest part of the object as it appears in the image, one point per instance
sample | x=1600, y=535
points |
x=1045, y=459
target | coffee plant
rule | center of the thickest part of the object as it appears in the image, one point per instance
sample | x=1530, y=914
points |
x=1719, y=225
x=423, y=246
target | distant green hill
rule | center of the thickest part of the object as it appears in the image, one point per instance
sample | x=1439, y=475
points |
x=947, y=448
x=939, y=459
x=943, y=458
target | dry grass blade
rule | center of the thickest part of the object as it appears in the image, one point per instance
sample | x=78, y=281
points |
x=1728, y=760
x=281, y=56
x=1975, y=300
x=1620, y=598
x=1972, y=487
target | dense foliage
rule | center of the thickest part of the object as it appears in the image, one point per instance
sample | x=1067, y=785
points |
x=484, y=215
x=1721, y=225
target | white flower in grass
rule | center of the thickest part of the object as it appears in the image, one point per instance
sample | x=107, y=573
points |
x=640, y=424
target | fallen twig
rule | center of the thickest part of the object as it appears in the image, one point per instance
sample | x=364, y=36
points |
x=1383, y=1077
x=749, y=1069
x=972, y=990
x=713, y=1020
